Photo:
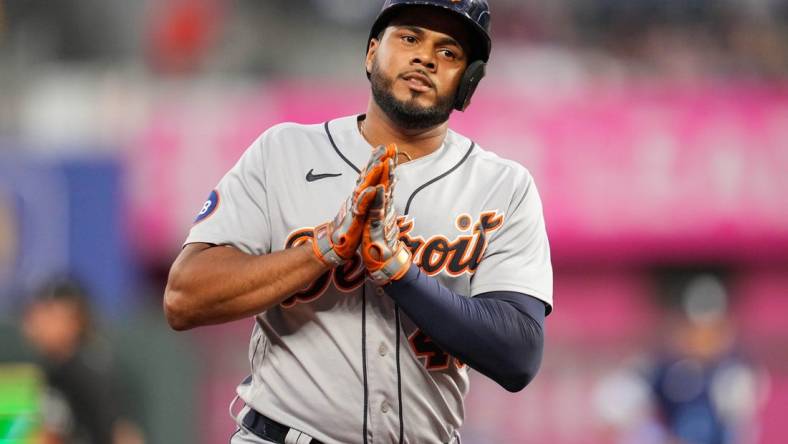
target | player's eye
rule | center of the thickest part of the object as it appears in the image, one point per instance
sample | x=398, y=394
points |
x=409, y=39
x=448, y=53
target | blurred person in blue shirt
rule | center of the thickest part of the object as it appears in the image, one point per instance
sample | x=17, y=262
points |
x=698, y=388
x=703, y=385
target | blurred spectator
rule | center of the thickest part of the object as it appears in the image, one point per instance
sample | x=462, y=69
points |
x=81, y=405
x=704, y=388
x=699, y=388
x=182, y=31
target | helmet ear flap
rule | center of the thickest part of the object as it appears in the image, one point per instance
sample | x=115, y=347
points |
x=470, y=80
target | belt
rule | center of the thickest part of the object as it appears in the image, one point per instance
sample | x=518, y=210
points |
x=266, y=428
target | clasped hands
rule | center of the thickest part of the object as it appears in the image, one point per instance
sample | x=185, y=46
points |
x=367, y=223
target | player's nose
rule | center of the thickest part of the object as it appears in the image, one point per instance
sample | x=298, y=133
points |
x=425, y=57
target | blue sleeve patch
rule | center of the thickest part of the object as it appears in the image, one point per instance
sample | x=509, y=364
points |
x=208, y=207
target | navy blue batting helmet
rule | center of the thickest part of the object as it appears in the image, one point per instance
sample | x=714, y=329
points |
x=476, y=13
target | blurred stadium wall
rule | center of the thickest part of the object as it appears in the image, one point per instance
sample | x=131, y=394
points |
x=657, y=132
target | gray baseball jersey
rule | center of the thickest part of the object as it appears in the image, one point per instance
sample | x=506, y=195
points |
x=331, y=361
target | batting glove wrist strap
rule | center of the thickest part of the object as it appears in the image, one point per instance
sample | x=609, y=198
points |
x=323, y=248
x=385, y=256
x=395, y=268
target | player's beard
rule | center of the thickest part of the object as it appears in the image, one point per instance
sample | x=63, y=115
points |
x=407, y=114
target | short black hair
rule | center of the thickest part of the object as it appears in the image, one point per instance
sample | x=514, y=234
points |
x=68, y=290
x=62, y=288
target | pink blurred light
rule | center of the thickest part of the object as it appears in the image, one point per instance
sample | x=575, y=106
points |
x=632, y=174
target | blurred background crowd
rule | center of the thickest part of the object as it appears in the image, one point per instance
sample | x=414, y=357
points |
x=657, y=131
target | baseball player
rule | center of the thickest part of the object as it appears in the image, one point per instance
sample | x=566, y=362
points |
x=382, y=255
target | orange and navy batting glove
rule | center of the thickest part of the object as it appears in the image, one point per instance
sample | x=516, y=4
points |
x=337, y=241
x=385, y=256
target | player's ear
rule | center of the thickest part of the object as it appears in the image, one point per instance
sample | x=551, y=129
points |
x=374, y=43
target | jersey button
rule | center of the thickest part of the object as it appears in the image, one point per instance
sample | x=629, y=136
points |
x=383, y=350
x=380, y=291
x=384, y=407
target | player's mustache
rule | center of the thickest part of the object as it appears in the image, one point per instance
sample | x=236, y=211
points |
x=421, y=74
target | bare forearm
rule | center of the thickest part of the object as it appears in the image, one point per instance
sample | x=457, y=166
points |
x=215, y=284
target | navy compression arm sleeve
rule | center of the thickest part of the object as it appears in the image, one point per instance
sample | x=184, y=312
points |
x=500, y=333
